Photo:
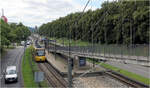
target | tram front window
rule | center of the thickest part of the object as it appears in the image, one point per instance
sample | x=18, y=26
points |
x=40, y=53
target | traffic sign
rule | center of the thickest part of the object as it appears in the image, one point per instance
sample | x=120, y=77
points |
x=82, y=61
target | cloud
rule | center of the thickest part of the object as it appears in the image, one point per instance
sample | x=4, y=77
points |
x=37, y=12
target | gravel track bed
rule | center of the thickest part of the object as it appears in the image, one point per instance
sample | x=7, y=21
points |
x=98, y=82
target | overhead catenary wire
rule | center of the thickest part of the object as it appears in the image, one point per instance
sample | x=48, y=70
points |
x=69, y=59
x=92, y=29
x=82, y=13
x=95, y=24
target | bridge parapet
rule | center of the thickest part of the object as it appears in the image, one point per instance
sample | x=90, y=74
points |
x=126, y=59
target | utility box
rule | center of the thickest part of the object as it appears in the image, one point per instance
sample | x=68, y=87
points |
x=80, y=63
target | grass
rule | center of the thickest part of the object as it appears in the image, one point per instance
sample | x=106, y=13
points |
x=65, y=41
x=28, y=75
x=44, y=84
x=125, y=72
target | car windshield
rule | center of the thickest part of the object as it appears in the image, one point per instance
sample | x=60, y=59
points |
x=40, y=53
x=11, y=72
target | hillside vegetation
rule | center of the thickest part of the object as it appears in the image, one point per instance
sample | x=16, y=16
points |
x=114, y=23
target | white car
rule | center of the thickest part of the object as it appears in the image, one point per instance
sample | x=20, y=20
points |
x=10, y=74
x=28, y=42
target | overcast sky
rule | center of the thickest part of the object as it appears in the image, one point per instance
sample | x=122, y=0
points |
x=37, y=12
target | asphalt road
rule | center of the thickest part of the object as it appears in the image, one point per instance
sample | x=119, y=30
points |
x=138, y=69
x=12, y=57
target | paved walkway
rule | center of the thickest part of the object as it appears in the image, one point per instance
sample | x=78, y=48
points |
x=61, y=64
x=138, y=69
x=57, y=61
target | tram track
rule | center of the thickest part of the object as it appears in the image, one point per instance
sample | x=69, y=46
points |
x=128, y=81
x=52, y=76
x=123, y=79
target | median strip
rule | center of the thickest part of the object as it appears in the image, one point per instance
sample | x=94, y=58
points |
x=28, y=69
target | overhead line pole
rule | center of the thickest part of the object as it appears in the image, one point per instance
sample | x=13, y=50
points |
x=70, y=62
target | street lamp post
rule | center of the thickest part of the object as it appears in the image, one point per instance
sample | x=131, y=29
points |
x=24, y=48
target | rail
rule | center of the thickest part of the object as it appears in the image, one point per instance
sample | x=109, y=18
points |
x=126, y=80
x=53, y=77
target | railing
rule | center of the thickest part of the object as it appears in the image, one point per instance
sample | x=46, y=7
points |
x=125, y=52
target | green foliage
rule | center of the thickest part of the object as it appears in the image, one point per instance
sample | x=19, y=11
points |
x=123, y=72
x=11, y=33
x=4, y=29
x=65, y=41
x=127, y=73
x=28, y=72
x=28, y=76
x=22, y=33
x=118, y=21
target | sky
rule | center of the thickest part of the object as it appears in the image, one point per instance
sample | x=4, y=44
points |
x=36, y=12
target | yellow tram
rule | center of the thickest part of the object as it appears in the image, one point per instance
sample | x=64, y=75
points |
x=40, y=54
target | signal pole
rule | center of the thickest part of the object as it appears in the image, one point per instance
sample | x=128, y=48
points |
x=69, y=64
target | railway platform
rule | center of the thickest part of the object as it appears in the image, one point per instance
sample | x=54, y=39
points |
x=60, y=63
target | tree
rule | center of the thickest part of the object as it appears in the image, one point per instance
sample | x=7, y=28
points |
x=117, y=22
x=11, y=33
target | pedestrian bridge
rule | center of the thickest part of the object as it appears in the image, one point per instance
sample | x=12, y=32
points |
x=87, y=52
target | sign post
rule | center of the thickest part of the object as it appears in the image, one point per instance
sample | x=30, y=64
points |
x=38, y=77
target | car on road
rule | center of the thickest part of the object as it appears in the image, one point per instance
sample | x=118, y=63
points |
x=10, y=74
x=28, y=42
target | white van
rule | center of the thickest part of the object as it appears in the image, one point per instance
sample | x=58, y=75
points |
x=10, y=74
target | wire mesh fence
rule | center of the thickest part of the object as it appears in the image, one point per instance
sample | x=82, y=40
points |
x=138, y=51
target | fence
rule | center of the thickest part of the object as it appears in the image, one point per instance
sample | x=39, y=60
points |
x=136, y=51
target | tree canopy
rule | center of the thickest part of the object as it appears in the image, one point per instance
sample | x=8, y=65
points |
x=11, y=33
x=114, y=23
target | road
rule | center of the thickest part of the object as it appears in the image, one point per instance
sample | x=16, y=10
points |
x=138, y=69
x=12, y=57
